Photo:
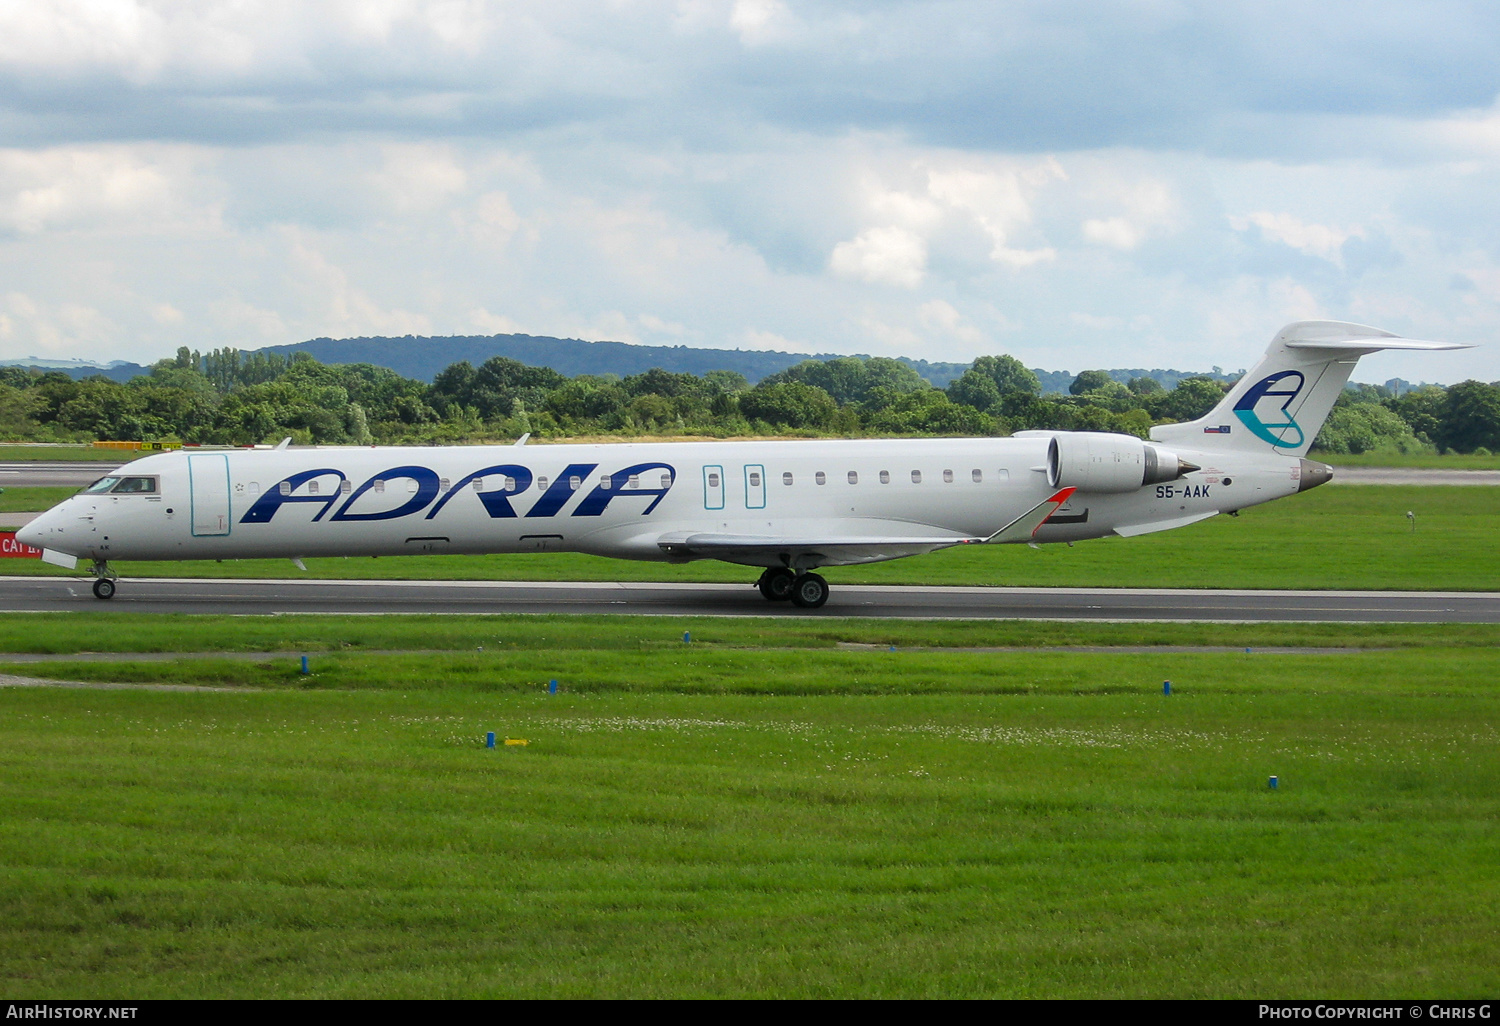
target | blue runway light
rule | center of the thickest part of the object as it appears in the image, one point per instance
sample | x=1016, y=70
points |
x=1166, y=687
x=1273, y=783
x=304, y=665
x=489, y=739
x=687, y=637
x=552, y=687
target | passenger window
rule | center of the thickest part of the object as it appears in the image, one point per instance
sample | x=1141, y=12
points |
x=978, y=476
x=479, y=484
x=286, y=488
x=786, y=477
x=442, y=484
x=635, y=480
x=947, y=477
x=885, y=477
x=916, y=477
x=713, y=480
x=853, y=477
x=754, y=479
x=312, y=488
x=666, y=480
x=541, y=484
x=604, y=480
x=820, y=477
x=379, y=487
x=346, y=486
x=574, y=483
x=1002, y=475
x=411, y=485
x=104, y=484
x=254, y=487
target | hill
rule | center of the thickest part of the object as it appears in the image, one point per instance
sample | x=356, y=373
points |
x=422, y=358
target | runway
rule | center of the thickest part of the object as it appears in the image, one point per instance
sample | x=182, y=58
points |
x=53, y=474
x=268, y=597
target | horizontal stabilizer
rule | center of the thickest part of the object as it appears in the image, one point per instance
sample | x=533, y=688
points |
x=1025, y=526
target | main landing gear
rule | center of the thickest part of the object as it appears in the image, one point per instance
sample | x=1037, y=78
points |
x=806, y=590
x=104, y=580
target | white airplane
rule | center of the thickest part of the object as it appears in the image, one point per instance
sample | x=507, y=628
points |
x=787, y=506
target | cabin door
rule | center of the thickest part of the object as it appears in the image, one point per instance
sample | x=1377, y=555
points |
x=755, y=486
x=208, y=483
x=713, y=487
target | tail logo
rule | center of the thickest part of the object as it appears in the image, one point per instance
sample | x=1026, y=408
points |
x=1263, y=409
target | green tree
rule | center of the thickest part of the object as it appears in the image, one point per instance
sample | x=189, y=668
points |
x=1008, y=374
x=1089, y=380
x=1191, y=399
x=789, y=404
x=1357, y=427
x=975, y=388
x=1471, y=418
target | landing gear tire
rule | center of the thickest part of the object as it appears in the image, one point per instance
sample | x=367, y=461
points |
x=776, y=584
x=809, y=592
x=104, y=588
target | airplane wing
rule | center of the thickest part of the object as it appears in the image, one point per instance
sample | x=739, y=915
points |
x=809, y=551
x=832, y=550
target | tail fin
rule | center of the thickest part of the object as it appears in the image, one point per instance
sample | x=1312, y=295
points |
x=1281, y=404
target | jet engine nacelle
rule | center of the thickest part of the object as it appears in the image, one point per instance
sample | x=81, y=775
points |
x=1097, y=462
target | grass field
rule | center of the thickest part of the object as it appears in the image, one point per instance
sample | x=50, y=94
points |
x=14, y=451
x=1349, y=537
x=759, y=813
x=31, y=500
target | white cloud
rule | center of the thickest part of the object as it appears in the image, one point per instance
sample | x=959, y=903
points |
x=760, y=21
x=1319, y=240
x=1149, y=208
x=658, y=326
x=834, y=177
x=416, y=177
x=166, y=313
x=882, y=256
x=345, y=309
x=1000, y=201
x=938, y=313
x=145, y=187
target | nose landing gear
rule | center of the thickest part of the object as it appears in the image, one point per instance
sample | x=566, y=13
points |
x=104, y=580
x=806, y=590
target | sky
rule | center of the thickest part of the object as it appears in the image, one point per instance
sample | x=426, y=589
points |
x=1130, y=184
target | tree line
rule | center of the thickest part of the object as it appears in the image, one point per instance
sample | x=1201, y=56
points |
x=235, y=398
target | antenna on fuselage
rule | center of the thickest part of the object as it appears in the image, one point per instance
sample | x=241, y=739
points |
x=522, y=439
x=284, y=443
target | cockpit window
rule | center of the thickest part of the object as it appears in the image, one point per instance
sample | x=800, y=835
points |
x=104, y=484
x=138, y=485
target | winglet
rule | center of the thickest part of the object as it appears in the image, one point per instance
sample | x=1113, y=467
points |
x=1025, y=526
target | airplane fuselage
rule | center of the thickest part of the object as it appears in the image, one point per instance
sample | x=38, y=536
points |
x=621, y=500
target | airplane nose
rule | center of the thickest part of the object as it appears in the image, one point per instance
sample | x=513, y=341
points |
x=30, y=535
